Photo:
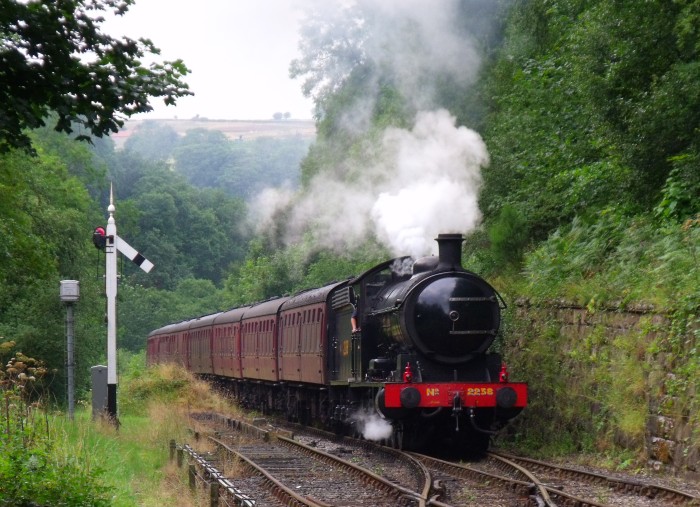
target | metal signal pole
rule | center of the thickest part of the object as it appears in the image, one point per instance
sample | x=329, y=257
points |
x=113, y=243
x=111, y=290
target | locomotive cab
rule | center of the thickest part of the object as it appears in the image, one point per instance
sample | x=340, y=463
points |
x=366, y=355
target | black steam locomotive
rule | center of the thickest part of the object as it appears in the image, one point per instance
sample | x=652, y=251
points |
x=416, y=368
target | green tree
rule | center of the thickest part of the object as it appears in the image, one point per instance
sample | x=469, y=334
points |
x=591, y=106
x=187, y=232
x=331, y=46
x=54, y=57
x=45, y=228
x=241, y=168
x=203, y=156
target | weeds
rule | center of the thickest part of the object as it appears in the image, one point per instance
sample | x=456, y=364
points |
x=32, y=471
x=46, y=459
x=617, y=260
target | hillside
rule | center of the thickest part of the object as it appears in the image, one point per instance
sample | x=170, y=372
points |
x=234, y=129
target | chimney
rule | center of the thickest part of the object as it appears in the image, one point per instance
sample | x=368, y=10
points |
x=450, y=251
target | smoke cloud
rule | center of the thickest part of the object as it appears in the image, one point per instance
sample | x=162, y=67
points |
x=418, y=182
x=425, y=182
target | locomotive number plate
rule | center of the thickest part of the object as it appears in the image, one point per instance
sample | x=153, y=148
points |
x=480, y=391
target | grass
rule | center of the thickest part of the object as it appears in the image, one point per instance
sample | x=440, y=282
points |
x=156, y=408
x=132, y=462
x=617, y=260
x=134, y=459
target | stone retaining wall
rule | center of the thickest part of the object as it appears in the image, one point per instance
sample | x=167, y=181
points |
x=672, y=434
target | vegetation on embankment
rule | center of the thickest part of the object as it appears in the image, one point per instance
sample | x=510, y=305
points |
x=604, y=325
x=46, y=459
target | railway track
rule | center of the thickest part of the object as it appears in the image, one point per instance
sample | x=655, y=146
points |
x=572, y=481
x=544, y=485
x=398, y=467
x=301, y=473
x=303, y=466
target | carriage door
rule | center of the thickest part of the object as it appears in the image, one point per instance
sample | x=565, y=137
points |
x=295, y=346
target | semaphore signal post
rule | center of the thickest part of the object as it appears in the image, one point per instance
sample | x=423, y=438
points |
x=111, y=242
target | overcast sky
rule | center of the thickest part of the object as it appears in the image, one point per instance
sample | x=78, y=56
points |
x=238, y=53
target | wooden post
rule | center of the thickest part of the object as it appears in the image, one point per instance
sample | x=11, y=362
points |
x=172, y=450
x=192, y=475
x=214, y=494
x=180, y=452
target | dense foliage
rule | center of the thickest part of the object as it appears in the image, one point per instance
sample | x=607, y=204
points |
x=45, y=214
x=55, y=58
x=593, y=107
x=207, y=158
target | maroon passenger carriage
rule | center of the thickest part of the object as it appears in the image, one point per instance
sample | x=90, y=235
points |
x=420, y=361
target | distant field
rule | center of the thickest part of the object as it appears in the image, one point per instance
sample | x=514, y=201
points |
x=234, y=129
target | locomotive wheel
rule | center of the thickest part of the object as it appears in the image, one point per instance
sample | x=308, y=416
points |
x=303, y=413
x=397, y=436
x=292, y=410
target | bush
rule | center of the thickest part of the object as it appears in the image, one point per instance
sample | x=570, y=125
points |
x=509, y=236
x=616, y=259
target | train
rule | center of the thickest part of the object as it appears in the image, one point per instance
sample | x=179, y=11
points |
x=404, y=348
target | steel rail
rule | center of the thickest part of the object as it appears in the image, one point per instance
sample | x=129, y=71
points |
x=378, y=481
x=619, y=484
x=543, y=491
x=467, y=472
x=366, y=444
x=286, y=495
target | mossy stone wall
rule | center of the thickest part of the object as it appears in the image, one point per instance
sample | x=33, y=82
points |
x=619, y=381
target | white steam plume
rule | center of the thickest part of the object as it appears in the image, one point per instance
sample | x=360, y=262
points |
x=436, y=180
x=418, y=182
x=372, y=426
x=265, y=206
x=418, y=40
x=426, y=182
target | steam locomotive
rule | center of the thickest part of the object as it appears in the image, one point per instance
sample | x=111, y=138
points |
x=418, y=362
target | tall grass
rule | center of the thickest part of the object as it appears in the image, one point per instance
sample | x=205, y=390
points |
x=100, y=464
